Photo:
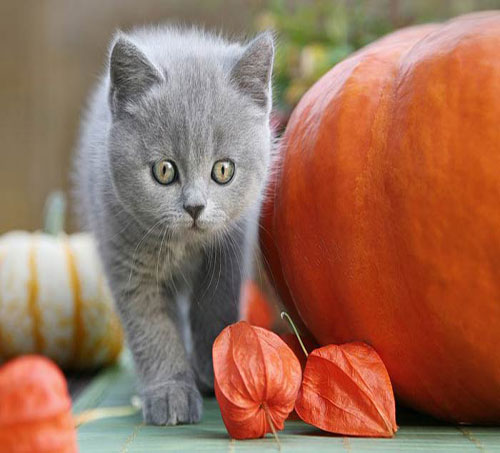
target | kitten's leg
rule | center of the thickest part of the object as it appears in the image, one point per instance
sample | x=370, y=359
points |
x=168, y=388
x=215, y=303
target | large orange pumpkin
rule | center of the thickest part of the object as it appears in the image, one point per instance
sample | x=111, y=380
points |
x=386, y=214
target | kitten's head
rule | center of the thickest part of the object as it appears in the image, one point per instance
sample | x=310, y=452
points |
x=190, y=137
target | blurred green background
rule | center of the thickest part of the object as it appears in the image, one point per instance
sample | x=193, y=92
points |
x=53, y=50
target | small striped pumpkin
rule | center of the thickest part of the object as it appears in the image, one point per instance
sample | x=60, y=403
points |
x=54, y=301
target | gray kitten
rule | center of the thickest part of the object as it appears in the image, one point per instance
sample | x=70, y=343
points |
x=171, y=167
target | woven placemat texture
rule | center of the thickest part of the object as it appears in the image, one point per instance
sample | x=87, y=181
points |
x=116, y=385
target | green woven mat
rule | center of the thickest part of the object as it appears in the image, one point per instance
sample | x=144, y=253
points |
x=115, y=386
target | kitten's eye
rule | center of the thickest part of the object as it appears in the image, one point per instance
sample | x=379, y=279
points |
x=223, y=171
x=165, y=172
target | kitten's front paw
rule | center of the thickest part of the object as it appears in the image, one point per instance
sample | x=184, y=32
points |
x=172, y=403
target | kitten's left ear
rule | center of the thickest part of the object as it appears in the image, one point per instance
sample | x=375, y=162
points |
x=252, y=72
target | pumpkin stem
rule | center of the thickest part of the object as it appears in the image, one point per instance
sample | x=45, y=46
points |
x=284, y=315
x=54, y=213
x=271, y=424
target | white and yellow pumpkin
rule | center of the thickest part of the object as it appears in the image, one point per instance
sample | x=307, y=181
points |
x=54, y=300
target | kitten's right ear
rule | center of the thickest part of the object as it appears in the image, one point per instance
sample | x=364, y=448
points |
x=131, y=74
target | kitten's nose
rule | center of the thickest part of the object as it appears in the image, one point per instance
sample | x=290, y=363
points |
x=194, y=210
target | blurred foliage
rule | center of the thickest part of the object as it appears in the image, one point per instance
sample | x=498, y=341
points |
x=315, y=35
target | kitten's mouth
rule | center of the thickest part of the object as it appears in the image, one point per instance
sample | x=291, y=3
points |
x=195, y=227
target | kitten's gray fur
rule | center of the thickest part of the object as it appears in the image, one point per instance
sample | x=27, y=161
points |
x=194, y=98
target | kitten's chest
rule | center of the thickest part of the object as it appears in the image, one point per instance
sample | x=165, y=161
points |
x=180, y=260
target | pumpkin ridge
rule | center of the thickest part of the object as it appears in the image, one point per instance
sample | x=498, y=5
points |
x=112, y=338
x=34, y=309
x=386, y=108
x=76, y=290
x=392, y=104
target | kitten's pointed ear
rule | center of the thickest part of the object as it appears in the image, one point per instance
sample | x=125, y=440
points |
x=131, y=73
x=252, y=72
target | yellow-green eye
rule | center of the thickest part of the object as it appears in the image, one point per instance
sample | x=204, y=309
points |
x=223, y=171
x=165, y=172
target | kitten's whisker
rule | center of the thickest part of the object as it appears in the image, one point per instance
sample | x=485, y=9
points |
x=231, y=262
x=158, y=259
x=207, y=257
x=220, y=266
x=211, y=268
x=239, y=253
x=132, y=264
